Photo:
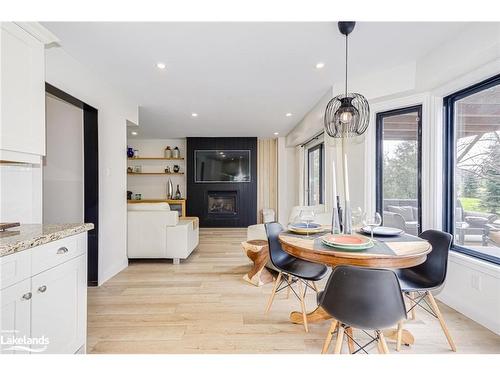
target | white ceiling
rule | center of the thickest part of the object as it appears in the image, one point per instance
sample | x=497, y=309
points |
x=241, y=78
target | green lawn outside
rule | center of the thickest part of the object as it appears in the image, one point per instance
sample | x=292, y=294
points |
x=471, y=204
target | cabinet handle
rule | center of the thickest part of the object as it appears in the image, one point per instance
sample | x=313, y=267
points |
x=27, y=296
x=62, y=250
x=42, y=289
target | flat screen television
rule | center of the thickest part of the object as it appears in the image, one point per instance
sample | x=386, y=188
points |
x=222, y=166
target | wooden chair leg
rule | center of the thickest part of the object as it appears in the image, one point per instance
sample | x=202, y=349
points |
x=413, y=307
x=399, y=336
x=303, y=305
x=350, y=341
x=271, y=297
x=289, y=286
x=435, y=307
x=383, y=344
x=329, y=337
x=340, y=339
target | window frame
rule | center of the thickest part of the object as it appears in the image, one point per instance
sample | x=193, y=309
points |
x=379, y=158
x=449, y=156
x=310, y=150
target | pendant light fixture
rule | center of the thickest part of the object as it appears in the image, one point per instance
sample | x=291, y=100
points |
x=347, y=114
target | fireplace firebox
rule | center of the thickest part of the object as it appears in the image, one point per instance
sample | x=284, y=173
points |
x=222, y=203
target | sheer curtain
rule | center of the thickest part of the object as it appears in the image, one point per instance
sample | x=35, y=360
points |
x=267, y=175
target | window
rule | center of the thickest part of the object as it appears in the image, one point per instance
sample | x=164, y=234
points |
x=315, y=156
x=472, y=169
x=398, y=172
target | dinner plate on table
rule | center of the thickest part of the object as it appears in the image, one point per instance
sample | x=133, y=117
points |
x=383, y=231
x=347, y=242
x=304, y=228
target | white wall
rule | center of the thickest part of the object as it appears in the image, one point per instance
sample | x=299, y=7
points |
x=287, y=177
x=67, y=74
x=472, y=286
x=155, y=187
x=20, y=193
x=63, y=163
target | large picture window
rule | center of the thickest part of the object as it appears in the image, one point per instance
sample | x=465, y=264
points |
x=472, y=160
x=315, y=168
x=398, y=172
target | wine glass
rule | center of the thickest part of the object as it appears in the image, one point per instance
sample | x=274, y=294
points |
x=307, y=216
x=372, y=220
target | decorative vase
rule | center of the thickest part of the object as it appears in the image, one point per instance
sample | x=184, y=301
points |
x=348, y=218
x=176, y=153
x=130, y=152
x=178, y=193
x=336, y=229
x=167, y=170
x=176, y=169
x=136, y=153
x=168, y=153
x=170, y=189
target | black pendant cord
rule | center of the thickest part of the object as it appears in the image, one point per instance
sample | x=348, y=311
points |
x=346, y=50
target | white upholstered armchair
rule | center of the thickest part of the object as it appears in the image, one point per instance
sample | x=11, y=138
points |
x=154, y=231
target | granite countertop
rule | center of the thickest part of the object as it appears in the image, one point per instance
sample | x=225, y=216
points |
x=27, y=236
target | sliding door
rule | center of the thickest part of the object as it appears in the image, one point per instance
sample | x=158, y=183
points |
x=315, y=168
x=472, y=160
x=399, y=164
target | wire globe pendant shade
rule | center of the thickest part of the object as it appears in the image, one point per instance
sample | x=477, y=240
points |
x=346, y=115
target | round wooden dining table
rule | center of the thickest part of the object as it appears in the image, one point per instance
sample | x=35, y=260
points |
x=401, y=251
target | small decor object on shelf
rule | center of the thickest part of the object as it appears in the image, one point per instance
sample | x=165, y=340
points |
x=129, y=195
x=176, y=154
x=138, y=196
x=167, y=170
x=176, y=168
x=130, y=152
x=138, y=169
x=168, y=152
x=170, y=189
x=136, y=153
x=178, y=193
x=130, y=170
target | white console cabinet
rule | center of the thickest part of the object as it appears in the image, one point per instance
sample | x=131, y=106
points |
x=43, y=295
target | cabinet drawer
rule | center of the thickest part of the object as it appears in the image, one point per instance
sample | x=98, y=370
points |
x=14, y=268
x=50, y=255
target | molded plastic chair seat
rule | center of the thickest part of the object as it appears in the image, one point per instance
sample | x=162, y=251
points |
x=304, y=269
x=319, y=297
x=412, y=281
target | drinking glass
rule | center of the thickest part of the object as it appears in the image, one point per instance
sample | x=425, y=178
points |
x=307, y=216
x=372, y=220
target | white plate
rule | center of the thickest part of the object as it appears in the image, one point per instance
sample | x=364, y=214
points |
x=383, y=231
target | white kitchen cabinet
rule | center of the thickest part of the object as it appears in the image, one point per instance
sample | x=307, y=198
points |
x=15, y=315
x=59, y=306
x=22, y=124
x=44, y=296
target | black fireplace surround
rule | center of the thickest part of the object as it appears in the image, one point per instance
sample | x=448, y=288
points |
x=222, y=204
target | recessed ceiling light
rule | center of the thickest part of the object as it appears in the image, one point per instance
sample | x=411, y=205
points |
x=133, y=133
x=320, y=65
x=161, y=65
x=194, y=114
x=288, y=114
x=276, y=133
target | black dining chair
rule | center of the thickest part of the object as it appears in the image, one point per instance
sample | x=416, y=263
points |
x=417, y=283
x=362, y=298
x=293, y=269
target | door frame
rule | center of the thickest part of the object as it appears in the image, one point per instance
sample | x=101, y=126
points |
x=91, y=177
x=379, y=155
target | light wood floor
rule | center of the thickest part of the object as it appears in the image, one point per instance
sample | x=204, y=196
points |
x=204, y=306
